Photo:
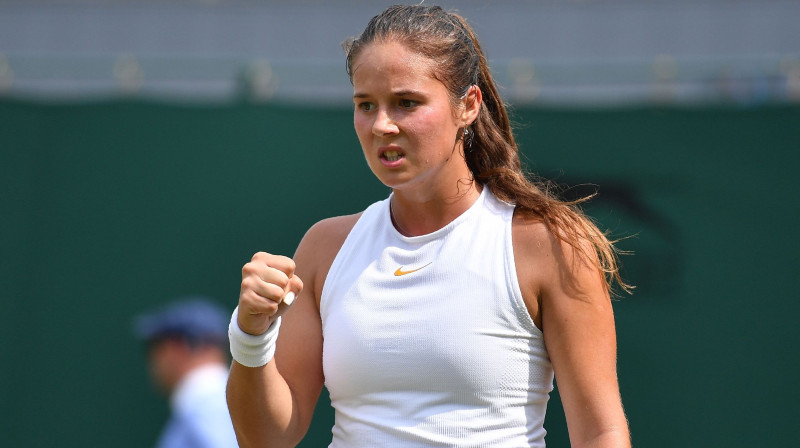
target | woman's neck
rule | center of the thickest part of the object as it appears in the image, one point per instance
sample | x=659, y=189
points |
x=414, y=215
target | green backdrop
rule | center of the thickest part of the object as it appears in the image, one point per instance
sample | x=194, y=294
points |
x=109, y=208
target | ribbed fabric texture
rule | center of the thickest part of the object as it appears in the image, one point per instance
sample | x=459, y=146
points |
x=444, y=354
x=252, y=350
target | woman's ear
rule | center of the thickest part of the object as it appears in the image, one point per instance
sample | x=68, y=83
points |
x=472, y=105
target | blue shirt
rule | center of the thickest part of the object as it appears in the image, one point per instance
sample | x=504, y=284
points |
x=200, y=417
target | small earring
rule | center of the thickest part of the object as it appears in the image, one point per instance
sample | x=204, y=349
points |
x=468, y=134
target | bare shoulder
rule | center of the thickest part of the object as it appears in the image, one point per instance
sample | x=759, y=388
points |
x=319, y=247
x=549, y=267
x=327, y=236
x=530, y=230
x=533, y=256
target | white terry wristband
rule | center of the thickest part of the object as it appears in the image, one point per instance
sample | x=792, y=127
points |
x=252, y=350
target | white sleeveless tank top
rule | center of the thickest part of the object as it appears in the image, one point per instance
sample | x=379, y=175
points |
x=427, y=341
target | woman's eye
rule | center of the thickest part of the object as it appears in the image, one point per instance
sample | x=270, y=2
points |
x=408, y=103
x=366, y=107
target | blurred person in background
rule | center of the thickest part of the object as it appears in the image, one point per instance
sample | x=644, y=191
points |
x=187, y=355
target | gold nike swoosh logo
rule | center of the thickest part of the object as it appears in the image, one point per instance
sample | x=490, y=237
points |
x=400, y=270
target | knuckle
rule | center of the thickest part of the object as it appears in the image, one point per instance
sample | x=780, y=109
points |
x=247, y=283
x=259, y=256
x=290, y=266
x=248, y=268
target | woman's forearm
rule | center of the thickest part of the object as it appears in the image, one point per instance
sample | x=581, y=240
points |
x=261, y=407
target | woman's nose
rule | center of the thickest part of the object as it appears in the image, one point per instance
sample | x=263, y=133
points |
x=384, y=124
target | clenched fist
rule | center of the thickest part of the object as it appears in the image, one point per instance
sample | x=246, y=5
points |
x=266, y=280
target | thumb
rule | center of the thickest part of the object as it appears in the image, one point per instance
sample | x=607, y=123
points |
x=294, y=288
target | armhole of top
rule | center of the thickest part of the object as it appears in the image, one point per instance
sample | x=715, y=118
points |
x=513, y=279
x=335, y=267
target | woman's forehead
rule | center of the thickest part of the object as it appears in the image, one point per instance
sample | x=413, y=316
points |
x=391, y=59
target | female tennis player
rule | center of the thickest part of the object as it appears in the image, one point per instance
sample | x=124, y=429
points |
x=439, y=316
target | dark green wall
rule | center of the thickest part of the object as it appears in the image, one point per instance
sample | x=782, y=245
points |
x=109, y=208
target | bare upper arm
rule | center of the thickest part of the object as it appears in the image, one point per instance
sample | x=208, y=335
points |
x=298, y=356
x=566, y=293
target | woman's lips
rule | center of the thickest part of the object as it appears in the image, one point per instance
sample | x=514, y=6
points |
x=391, y=157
